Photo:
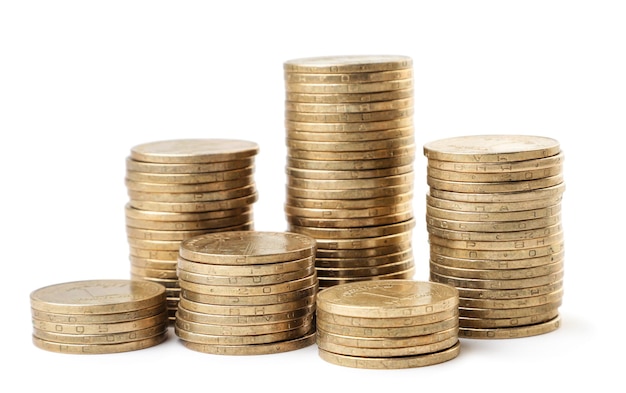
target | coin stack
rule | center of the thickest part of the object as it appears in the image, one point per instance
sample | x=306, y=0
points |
x=99, y=316
x=388, y=324
x=493, y=216
x=349, y=126
x=247, y=292
x=184, y=188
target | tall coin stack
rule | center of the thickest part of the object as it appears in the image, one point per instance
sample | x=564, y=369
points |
x=493, y=216
x=184, y=188
x=388, y=324
x=349, y=126
x=247, y=293
x=99, y=316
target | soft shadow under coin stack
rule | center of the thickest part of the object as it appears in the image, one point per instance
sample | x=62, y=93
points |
x=99, y=316
x=349, y=126
x=247, y=293
x=183, y=188
x=388, y=324
x=493, y=216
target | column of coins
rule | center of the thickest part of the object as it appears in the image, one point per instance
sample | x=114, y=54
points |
x=247, y=292
x=349, y=134
x=183, y=188
x=493, y=214
x=388, y=324
x=99, y=316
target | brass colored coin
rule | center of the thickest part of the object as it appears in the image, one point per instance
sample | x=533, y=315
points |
x=247, y=247
x=196, y=197
x=347, y=204
x=242, y=271
x=495, y=236
x=171, y=235
x=498, y=167
x=540, y=193
x=250, y=300
x=150, y=215
x=487, y=207
x=387, y=332
x=482, y=323
x=495, y=177
x=97, y=319
x=405, y=150
x=168, y=256
x=348, y=64
x=363, y=253
x=350, y=222
x=341, y=136
x=491, y=217
x=371, y=212
x=512, y=332
x=399, y=362
x=365, y=193
x=496, y=188
x=243, y=310
x=498, y=245
x=255, y=349
x=189, y=151
x=491, y=148
x=350, y=165
x=349, y=127
x=385, y=342
x=351, y=184
x=330, y=245
x=189, y=178
x=349, y=98
x=147, y=263
x=386, y=322
x=348, y=88
x=217, y=339
x=497, y=274
x=388, y=299
x=99, y=348
x=366, y=107
x=206, y=226
x=388, y=352
x=364, y=262
x=159, y=245
x=499, y=304
x=97, y=297
x=516, y=293
x=506, y=226
x=325, y=282
x=104, y=338
x=348, y=272
x=351, y=146
x=149, y=167
x=496, y=264
x=355, y=233
x=498, y=254
x=356, y=77
x=312, y=174
x=240, y=290
x=244, y=320
x=363, y=117
x=234, y=280
x=243, y=330
x=216, y=189
x=197, y=207
x=168, y=283
x=488, y=313
x=167, y=274
x=520, y=283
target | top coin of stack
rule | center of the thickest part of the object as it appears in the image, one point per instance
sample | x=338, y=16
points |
x=349, y=126
x=493, y=216
x=183, y=188
x=99, y=316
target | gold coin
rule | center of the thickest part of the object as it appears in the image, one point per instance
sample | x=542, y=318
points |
x=498, y=167
x=168, y=283
x=250, y=270
x=103, y=338
x=351, y=184
x=389, y=363
x=355, y=233
x=347, y=204
x=486, y=207
x=363, y=253
x=349, y=127
x=189, y=178
x=515, y=293
x=364, y=262
x=520, y=283
x=234, y=280
x=350, y=165
x=168, y=274
x=196, y=207
x=351, y=146
x=348, y=88
x=159, y=245
x=496, y=264
x=496, y=274
x=482, y=323
x=351, y=272
x=495, y=236
x=168, y=256
x=97, y=297
x=306, y=107
x=150, y=234
x=355, y=77
x=150, y=215
x=99, y=348
x=350, y=222
x=371, y=212
x=195, y=197
x=256, y=349
x=243, y=330
x=250, y=300
x=319, y=117
x=488, y=313
x=495, y=177
x=213, y=339
x=388, y=299
x=244, y=320
x=349, y=98
x=386, y=332
x=470, y=304
x=242, y=290
x=496, y=188
x=493, y=216
x=206, y=226
x=498, y=254
x=512, y=332
x=540, y=193
x=246, y=247
x=405, y=150
x=97, y=319
x=492, y=227
x=333, y=245
x=497, y=245
x=348, y=64
x=189, y=151
x=150, y=167
x=316, y=174
x=387, y=352
x=147, y=263
x=217, y=188
x=491, y=148
x=385, y=342
x=325, y=282
x=350, y=136
x=365, y=193
x=386, y=322
x=243, y=310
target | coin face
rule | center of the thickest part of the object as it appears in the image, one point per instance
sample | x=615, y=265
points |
x=184, y=151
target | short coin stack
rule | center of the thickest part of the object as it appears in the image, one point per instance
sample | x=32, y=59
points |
x=388, y=324
x=349, y=124
x=247, y=293
x=183, y=188
x=99, y=316
x=494, y=224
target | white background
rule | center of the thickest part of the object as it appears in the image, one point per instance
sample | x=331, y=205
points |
x=81, y=82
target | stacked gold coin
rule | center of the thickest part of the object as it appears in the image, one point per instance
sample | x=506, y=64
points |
x=247, y=292
x=388, y=324
x=493, y=216
x=99, y=316
x=183, y=188
x=349, y=125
